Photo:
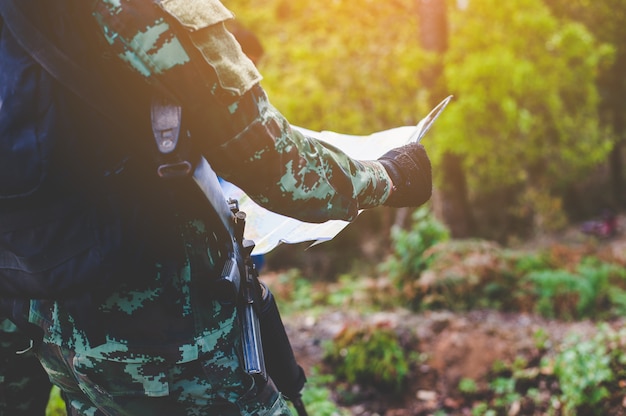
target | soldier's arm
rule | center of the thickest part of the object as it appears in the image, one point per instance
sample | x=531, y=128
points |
x=184, y=47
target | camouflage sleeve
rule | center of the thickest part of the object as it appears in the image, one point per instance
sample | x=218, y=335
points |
x=184, y=46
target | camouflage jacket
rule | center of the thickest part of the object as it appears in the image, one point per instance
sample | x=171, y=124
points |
x=182, y=46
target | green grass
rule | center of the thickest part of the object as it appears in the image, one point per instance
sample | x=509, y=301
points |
x=56, y=405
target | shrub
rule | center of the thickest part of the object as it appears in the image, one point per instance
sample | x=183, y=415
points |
x=409, y=258
x=369, y=355
x=464, y=274
x=586, y=370
x=586, y=292
x=317, y=395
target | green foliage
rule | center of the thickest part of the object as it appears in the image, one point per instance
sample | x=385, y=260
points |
x=587, y=368
x=293, y=292
x=467, y=386
x=541, y=339
x=531, y=262
x=580, y=376
x=317, y=395
x=369, y=355
x=302, y=295
x=352, y=69
x=607, y=21
x=56, y=405
x=409, y=258
x=559, y=293
x=411, y=245
x=571, y=295
x=617, y=297
x=482, y=409
x=504, y=389
x=361, y=293
x=296, y=293
x=524, y=116
x=534, y=77
x=465, y=274
x=505, y=393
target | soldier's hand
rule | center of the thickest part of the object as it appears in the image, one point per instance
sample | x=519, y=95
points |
x=409, y=168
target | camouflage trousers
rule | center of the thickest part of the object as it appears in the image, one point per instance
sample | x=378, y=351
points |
x=24, y=385
x=97, y=387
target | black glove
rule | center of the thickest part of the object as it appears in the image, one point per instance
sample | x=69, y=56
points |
x=409, y=168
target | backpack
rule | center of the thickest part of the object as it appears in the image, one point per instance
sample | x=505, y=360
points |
x=72, y=248
x=24, y=151
x=55, y=243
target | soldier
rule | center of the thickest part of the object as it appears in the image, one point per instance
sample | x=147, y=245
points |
x=148, y=335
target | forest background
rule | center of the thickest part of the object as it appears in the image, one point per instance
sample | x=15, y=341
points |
x=466, y=305
x=534, y=136
x=531, y=146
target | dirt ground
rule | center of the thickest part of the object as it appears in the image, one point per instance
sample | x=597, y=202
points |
x=454, y=345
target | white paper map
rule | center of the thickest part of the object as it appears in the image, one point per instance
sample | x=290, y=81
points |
x=268, y=229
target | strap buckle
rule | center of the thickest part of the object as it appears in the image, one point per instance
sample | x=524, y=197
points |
x=166, y=117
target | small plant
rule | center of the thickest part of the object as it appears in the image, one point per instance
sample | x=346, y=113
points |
x=504, y=389
x=370, y=355
x=541, y=339
x=583, y=369
x=558, y=293
x=482, y=409
x=468, y=387
x=409, y=247
x=293, y=292
x=465, y=274
x=317, y=395
x=573, y=295
x=532, y=262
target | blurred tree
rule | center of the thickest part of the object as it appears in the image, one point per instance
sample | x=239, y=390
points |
x=523, y=123
x=337, y=65
x=524, y=119
x=607, y=21
x=348, y=67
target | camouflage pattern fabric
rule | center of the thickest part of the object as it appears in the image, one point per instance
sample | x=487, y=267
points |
x=210, y=385
x=169, y=347
x=24, y=385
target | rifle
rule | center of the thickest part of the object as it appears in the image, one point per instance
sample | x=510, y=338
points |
x=261, y=316
x=266, y=346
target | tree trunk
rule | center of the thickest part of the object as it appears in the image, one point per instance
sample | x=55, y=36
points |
x=616, y=168
x=616, y=161
x=454, y=200
x=455, y=207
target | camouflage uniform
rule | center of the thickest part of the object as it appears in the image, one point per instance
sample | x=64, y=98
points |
x=24, y=385
x=168, y=347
